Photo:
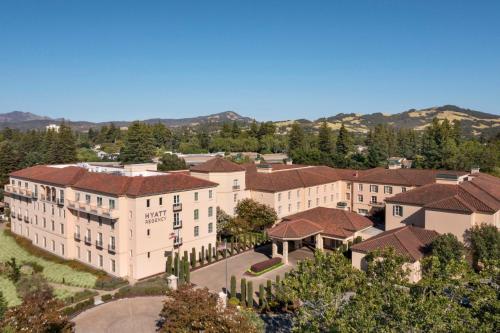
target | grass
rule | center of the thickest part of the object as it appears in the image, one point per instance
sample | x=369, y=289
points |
x=9, y=291
x=264, y=271
x=53, y=272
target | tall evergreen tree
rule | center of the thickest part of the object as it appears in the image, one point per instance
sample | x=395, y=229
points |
x=139, y=144
x=295, y=137
x=325, y=138
x=343, y=146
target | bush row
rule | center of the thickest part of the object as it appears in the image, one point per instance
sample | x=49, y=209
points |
x=264, y=265
x=79, y=307
x=245, y=297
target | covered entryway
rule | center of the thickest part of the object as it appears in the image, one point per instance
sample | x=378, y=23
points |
x=294, y=234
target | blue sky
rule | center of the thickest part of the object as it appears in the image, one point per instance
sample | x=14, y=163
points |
x=125, y=60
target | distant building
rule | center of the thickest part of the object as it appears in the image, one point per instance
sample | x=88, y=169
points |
x=398, y=163
x=53, y=127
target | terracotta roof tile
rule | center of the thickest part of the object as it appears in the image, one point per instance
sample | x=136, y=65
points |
x=295, y=229
x=217, y=164
x=407, y=241
x=63, y=176
x=334, y=222
x=406, y=177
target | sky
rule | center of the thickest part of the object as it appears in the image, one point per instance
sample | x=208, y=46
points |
x=270, y=60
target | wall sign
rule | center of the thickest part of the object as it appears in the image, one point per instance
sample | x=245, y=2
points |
x=154, y=217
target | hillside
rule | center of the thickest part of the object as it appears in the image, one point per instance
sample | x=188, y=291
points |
x=474, y=123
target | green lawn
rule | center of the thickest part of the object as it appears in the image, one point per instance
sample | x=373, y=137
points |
x=52, y=271
x=9, y=292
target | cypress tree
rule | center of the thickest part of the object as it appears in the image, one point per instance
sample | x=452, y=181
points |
x=176, y=265
x=243, y=291
x=295, y=138
x=269, y=287
x=187, y=272
x=262, y=295
x=202, y=258
x=139, y=144
x=250, y=294
x=193, y=257
x=325, y=138
x=233, y=286
x=209, y=252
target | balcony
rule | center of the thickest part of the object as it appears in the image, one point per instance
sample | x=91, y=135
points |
x=236, y=187
x=377, y=204
x=177, y=207
x=98, y=244
x=20, y=191
x=19, y=217
x=177, y=224
x=77, y=236
x=87, y=240
x=111, y=248
x=93, y=209
x=177, y=241
x=26, y=219
x=60, y=201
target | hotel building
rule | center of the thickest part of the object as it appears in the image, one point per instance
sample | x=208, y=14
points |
x=125, y=221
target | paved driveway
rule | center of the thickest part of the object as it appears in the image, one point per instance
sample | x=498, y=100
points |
x=132, y=315
x=213, y=276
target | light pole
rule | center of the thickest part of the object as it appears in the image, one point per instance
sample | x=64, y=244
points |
x=225, y=254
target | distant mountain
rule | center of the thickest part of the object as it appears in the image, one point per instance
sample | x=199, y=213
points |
x=26, y=120
x=19, y=116
x=473, y=122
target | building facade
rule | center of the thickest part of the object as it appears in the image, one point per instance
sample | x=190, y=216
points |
x=125, y=221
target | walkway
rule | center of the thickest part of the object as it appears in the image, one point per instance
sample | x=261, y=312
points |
x=213, y=276
x=129, y=315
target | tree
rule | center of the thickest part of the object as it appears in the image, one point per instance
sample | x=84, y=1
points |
x=8, y=160
x=325, y=138
x=257, y=215
x=197, y=310
x=65, y=145
x=3, y=306
x=223, y=221
x=295, y=137
x=38, y=313
x=484, y=243
x=139, y=144
x=447, y=248
x=162, y=136
x=170, y=162
x=343, y=145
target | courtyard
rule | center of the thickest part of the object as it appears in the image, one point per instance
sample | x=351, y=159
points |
x=213, y=276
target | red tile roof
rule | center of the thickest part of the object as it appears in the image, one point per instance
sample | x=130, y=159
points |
x=480, y=194
x=82, y=179
x=63, y=176
x=217, y=164
x=335, y=223
x=404, y=177
x=294, y=229
x=408, y=241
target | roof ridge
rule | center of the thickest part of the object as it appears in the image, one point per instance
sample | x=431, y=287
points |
x=482, y=190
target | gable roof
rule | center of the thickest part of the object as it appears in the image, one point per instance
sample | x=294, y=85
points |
x=217, y=164
x=295, y=229
x=333, y=222
x=480, y=194
x=408, y=241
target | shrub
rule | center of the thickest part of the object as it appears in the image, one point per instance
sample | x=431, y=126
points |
x=209, y=253
x=269, y=287
x=107, y=297
x=250, y=294
x=233, y=286
x=108, y=282
x=187, y=273
x=243, y=291
x=265, y=266
x=234, y=301
x=262, y=295
x=37, y=268
x=193, y=257
x=79, y=307
x=152, y=287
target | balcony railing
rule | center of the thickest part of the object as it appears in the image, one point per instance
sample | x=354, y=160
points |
x=19, y=217
x=177, y=207
x=98, y=244
x=236, y=187
x=111, y=248
x=377, y=204
x=60, y=201
x=177, y=241
x=177, y=224
x=87, y=240
x=77, y=236
x=93, y=209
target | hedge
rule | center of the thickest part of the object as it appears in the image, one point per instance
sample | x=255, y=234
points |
x=265, y=266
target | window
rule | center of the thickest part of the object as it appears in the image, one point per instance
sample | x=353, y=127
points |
x=289, y=195
x=235, y=197
x=99, y=238
x=100, y=261
x=77, y=196
x=112, y=242
x=403, y=189
x=62, y=249
x=53, y=225
x=148, y=232
x=149, y=255
x=87, y=198
x=36, y=238
x=196, y=231
x=78, y=252
x=111, y=204
x=210, y=211
x=236, y=185
x=348, y=186
x=348, y=196
x=177, y=199
x=360, y=198
x=210, y=194
x=289, y=208
x=360, y=187
x=89, y=256
x=374, y=188
x=210, y=228
x=388, y=189
x=397, y=210
x=99, y=201
x=298, y=205
x=177, y=220
x=160, y=201
x=195, y=196
x=62, y=229
x=53, y=246
x=147, y=203
x=308, y=203
x=279, y=196
x=113, y=265
x=363, y=211
x=45, y=242
x=279, y=209
x=196, y=214
x=373, y=199
x=78, y=230
x=298, y=193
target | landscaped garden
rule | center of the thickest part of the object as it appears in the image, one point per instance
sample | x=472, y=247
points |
x=53, y=272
